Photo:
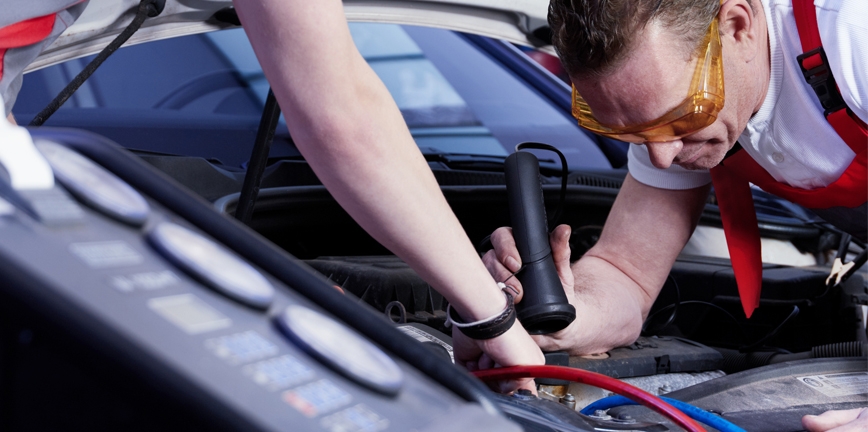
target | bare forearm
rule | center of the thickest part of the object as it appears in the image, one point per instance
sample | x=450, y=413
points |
x=609, y=304
x=622, y=275
x=617, y=281
x=349, y=129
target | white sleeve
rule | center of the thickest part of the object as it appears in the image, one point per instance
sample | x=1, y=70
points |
x=15, y=60
x=674, y=177
x=844, y=33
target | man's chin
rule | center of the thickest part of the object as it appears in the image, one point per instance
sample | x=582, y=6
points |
x=703, y=163
x=700, y=164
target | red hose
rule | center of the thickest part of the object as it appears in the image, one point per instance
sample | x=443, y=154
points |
x=596, y=380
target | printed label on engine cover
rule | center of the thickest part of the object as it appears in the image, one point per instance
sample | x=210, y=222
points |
x=422, y=336
x=838, y=385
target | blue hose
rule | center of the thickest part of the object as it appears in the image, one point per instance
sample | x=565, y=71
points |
x=695, y=413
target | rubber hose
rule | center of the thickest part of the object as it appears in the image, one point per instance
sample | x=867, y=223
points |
x=843, y=349
x=696, y=413
x=596, y=380
x=734, y=361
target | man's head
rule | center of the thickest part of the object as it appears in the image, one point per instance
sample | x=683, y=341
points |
x=633, y=61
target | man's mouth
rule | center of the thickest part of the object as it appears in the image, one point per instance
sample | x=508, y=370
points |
x=690, y=159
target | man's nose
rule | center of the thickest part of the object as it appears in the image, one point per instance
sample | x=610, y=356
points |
x=663, y=153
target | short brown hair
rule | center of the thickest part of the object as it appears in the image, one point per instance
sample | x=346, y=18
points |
x=593, y=36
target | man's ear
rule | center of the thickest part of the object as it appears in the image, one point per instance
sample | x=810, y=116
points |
x=740, y=26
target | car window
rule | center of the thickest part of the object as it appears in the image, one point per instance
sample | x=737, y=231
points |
x=421, y=92
x=454, y=98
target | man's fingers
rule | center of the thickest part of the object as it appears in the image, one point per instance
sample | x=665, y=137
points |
x=485, y=362
x=505, y=249
x=560, y=241
x=837, y=421
x=502, y=274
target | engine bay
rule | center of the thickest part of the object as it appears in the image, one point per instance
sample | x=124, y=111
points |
x=109, y=324
x=119, y=319
x=696, y=338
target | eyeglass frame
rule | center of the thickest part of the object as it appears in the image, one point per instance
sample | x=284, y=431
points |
x=705, y=99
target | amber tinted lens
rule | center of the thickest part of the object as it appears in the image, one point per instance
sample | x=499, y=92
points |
x=697, y=111
x=696, y=116
x=672, y=131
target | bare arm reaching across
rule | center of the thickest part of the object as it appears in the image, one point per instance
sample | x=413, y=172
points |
x=352, y=134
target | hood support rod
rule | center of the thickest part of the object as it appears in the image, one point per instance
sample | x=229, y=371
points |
x=258, y=159
x=146, y=9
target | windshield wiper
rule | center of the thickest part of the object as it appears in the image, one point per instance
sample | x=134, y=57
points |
x=476, y=162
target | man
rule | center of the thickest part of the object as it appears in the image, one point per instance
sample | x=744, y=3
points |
x=632, y=63
x=350, y=130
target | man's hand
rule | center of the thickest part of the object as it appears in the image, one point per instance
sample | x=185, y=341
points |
x=503, y=261
x=615, y=283
x=603, y=321
x=513, y=348
x=853, y=420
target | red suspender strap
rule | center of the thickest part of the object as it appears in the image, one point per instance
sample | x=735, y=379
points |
x=817, y=72
x=849, y=190
x=24, y=33
x=730, y=177
x=742, y=233
x=850, y=128
x=809, y=32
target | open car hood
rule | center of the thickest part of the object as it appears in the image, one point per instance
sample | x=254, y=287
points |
x=512, y=20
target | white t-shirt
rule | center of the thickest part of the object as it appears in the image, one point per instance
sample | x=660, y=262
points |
x=789, y=136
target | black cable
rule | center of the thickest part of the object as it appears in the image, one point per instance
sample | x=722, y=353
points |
x=674, y=309
x=146, y=9
x=565, y=172
x=258, y=159
x=724, y=311
x=771, y=334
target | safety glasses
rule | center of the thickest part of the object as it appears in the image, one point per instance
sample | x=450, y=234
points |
x=700, y=108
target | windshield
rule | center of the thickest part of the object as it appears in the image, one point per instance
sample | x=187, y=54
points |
x=199, y=95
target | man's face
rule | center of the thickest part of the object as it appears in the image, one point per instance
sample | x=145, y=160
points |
x=653, y=80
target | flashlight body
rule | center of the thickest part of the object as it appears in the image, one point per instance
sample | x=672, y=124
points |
x=544, y=307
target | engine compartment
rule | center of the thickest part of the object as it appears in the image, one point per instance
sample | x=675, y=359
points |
x=706, y=344
x=103, y=326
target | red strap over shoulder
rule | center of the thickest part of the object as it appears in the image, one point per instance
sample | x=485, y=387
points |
x=730, y=177
x=809, y=32
x=819, y=75
x=24, y=33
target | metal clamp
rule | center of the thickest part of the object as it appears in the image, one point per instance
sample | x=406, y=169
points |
x=841, y=271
